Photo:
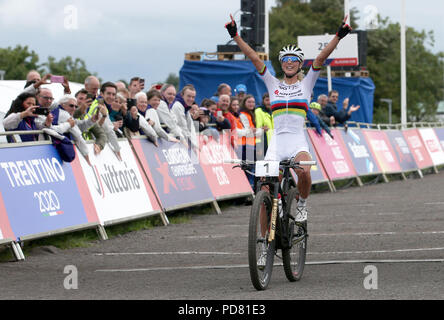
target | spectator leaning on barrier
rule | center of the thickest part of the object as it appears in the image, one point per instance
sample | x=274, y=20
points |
x=154, y=97
x=180, y=109
x=145, y=125
x=323, y=100
x=165, y=114
x=264, y=120
x=44, y=95
x=135, y=123
x=107, y=96
x=316, y=109
x=96, y=132
x=22, y=117
x=343, y=115
x=64, y=123
x=117, y=113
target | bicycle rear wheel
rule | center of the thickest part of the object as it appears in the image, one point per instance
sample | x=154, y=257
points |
x=260, y=251
x=294, y=257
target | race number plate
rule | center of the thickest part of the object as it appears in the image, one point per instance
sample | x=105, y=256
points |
x=267, y=169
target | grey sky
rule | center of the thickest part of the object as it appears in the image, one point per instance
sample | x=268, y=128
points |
x=121, y=39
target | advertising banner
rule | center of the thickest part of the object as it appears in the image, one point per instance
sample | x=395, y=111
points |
x=422, y=157
x=118, y=188
x=360, y=153
x=333, y=155
x=432, y=145
x=401, y=150
x=222, y=178
x=5, y=228
x=318, y=173
x=40, y=192
x=440, y=134
x=382, y=150
x=175, y=173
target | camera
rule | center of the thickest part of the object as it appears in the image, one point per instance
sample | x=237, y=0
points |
x=131, y=103
x=41, y=111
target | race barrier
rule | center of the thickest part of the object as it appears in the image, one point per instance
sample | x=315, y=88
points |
x=41, y=196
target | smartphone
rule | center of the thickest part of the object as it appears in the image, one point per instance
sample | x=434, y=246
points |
x=219, y=113
x=41, y=111
x=130, y=103
x=101, y=101
x=57, y=79
x=90, y=96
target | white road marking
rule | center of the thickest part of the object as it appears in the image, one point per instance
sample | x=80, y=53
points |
x=375, y=251
x=166, y=253
x=237, y=266
x=389, y=233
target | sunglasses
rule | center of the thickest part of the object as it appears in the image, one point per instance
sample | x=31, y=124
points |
x=71, y=105
x=290, y=58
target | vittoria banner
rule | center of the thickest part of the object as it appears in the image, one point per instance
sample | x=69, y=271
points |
x=118, y=188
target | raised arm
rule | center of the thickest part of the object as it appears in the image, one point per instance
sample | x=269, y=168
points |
x=245, y=48
x=344, y=29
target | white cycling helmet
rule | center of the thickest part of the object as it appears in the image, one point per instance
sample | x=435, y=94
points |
x=292, y=50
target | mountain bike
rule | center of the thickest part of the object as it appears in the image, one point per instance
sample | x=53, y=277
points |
x=273, y=224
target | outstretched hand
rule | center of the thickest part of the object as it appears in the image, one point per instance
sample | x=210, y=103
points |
x=344, y=29
x=232, y=27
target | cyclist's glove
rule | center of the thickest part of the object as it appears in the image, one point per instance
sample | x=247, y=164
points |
x=232, y=28
x=343, y=30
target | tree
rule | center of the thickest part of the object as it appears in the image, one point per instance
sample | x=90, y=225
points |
x=18, y=62
x=173, y=79
x=74, y=70
x=425, y=82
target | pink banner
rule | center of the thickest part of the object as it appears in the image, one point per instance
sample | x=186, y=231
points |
x=5, y=227
x=432, y=145
x=333, y=155
x=382, y=151
x=223, y=180
x=422, y=157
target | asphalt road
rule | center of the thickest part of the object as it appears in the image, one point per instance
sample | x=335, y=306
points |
x=393, y=231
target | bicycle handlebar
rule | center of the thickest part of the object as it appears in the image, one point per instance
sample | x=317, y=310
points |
x=285, y=163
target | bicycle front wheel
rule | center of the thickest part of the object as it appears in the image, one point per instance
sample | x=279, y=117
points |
x=260, y=251
x=294, y=256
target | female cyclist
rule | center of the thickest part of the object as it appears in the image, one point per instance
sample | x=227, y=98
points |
x=290, y=100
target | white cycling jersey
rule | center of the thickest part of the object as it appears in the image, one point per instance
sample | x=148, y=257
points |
x=289, y=104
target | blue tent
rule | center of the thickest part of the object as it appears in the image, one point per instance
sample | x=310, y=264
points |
x=360, y=91
x=207, y=75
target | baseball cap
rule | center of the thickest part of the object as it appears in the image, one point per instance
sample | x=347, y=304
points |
x=240, y=88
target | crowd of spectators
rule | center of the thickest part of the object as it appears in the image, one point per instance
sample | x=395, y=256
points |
x=102, y=113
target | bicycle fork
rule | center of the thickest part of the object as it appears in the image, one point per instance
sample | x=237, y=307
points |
x=274, y=213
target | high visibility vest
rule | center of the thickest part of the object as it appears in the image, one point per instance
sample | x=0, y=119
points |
x=246, y=140
x=264, y=118
x=87, y=135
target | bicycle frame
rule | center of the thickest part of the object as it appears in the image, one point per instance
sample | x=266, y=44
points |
x=276, y=188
